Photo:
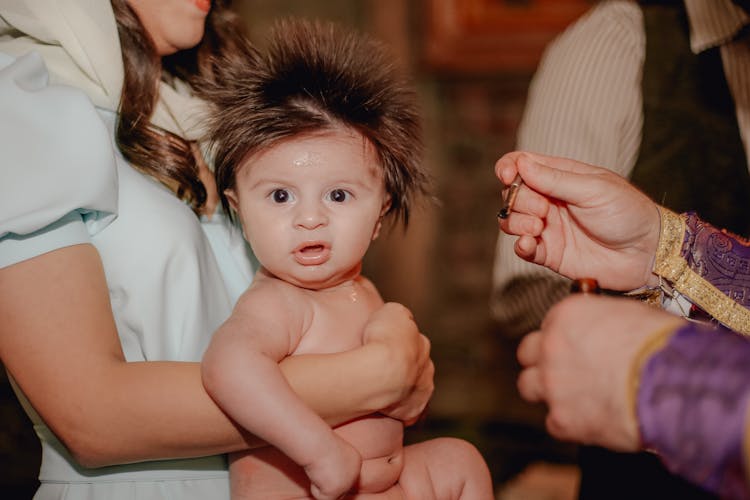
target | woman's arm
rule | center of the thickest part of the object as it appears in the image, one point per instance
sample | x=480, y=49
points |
x=401, y=391
x=59, y=342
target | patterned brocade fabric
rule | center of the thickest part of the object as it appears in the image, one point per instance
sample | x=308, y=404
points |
x=692, y=405
x=709, y=266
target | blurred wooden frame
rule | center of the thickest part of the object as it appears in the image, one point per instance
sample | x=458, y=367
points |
x=486, y=36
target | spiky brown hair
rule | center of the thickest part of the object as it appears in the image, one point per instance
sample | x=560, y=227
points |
x=315, y=76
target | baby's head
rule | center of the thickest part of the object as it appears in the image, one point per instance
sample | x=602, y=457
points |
x=316, y=139
x=313, y=78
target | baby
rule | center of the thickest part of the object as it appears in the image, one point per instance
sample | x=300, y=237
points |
x=316, y=142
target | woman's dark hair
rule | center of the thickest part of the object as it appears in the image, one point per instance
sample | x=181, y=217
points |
x=149, y=148
x=313, y=77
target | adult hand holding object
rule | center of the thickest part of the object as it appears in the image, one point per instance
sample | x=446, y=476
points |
x=580, y=220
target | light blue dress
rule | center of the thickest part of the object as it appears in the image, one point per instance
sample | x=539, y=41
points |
x=172, y=278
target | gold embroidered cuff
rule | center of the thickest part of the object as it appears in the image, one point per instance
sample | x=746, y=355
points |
x=670, y=265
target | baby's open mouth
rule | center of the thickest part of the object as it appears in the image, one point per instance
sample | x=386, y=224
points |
x=312, y=253
x=312, y=248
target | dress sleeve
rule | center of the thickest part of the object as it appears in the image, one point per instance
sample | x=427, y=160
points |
x=708, y=266
x=58, y=181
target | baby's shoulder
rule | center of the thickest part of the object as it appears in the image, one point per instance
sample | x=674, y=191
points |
x=368, y=286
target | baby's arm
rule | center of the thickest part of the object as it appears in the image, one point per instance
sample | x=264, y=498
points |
x=240, y=371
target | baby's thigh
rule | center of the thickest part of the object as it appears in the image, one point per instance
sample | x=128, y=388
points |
x=265, y=473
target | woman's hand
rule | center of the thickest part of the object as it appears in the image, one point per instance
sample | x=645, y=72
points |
x=410, y=371
x=391, y=373
x=580, y=364
x=581, y=221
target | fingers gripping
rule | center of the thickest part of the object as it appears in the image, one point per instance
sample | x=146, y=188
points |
x=530, y=385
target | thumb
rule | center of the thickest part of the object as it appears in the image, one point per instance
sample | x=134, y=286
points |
x=554, y=179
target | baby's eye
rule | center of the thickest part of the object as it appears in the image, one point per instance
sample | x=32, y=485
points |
x=339, y=195
x=281, y=195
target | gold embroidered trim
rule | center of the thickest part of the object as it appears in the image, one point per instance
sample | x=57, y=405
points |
x=655, y=342
x=670, y=265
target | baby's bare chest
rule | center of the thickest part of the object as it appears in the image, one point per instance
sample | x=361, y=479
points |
x=338, y=321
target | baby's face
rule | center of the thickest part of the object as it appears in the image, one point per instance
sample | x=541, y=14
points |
x=311, y=205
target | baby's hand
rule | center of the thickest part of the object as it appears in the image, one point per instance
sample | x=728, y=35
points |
x=334, y=472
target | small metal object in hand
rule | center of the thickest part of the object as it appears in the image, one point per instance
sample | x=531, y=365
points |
x=510, y=198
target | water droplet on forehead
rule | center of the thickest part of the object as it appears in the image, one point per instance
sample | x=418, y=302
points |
x=308, y=159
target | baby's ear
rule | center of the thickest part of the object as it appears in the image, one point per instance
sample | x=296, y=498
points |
x=376, y=229
x=383, y=210
x=386, y=205
x=232, y=198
